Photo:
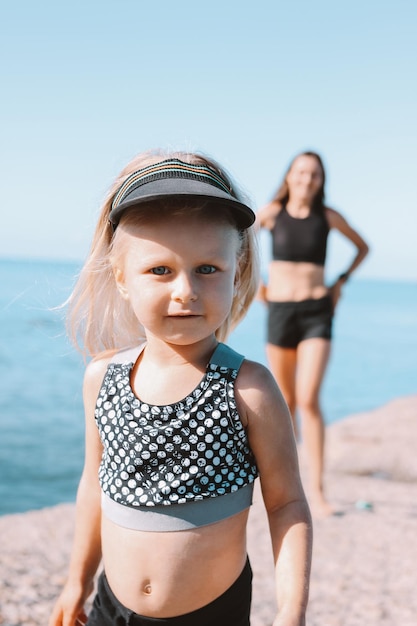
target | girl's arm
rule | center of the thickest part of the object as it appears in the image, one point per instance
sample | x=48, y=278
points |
x=86, y=550
x=271, y=437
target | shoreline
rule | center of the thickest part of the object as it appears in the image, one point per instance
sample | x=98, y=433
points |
x=363, y=560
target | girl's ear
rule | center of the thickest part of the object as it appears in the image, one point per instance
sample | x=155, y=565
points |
x=120, y=283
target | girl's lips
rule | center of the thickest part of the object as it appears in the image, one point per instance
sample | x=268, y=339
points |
x=184, y=315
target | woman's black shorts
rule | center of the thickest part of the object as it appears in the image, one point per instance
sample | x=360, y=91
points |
x=289, y=323
x=232, y=608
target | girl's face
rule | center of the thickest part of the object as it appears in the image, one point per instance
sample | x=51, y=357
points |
x=179, y=276
x=304, y=179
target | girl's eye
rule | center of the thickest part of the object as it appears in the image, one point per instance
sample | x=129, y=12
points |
x=206, y=269
x=159, y=271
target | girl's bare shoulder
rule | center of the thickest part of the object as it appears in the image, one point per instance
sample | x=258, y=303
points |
x=258, y=388
x=96, y=369
x=266, y=418
x=98, y=365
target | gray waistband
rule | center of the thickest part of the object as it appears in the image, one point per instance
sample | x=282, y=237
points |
x=175, y=517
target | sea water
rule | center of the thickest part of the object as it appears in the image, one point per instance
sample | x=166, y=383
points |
x=374, y=359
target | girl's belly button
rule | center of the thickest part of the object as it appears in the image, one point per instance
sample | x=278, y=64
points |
x=147, y=589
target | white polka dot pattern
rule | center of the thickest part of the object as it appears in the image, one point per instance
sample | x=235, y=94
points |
x=154, y=455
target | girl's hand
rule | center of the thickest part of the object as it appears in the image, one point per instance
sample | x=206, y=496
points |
x=69, y=608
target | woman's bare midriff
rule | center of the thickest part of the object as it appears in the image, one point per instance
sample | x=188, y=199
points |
x=164, y=574
x=294, y=282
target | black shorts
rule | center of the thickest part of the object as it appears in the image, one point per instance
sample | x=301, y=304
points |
x=289, y=323
x=232, y=608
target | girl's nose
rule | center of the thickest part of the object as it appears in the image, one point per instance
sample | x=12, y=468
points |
x=184, y=290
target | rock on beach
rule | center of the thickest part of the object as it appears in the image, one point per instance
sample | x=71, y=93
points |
x=364, y=558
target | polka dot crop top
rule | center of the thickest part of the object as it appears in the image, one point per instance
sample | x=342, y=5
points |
x=176, y=466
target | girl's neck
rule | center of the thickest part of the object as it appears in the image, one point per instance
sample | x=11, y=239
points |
x=165, y=374
x=166, y=355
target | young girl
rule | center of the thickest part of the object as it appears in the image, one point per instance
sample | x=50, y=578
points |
x=178, y=425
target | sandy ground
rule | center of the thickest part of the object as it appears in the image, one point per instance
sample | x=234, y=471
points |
x=364, y=561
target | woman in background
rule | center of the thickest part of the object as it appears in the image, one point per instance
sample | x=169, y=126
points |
x=300, y=305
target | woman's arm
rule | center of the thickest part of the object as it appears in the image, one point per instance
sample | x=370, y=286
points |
x=272, y=440
x=86, y=550
x=338, y=222
x=265, y=218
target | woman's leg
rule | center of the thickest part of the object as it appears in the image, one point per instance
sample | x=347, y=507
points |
x=282, y=363
x=312, y=359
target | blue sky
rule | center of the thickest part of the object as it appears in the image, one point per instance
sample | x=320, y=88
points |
x=86, y=85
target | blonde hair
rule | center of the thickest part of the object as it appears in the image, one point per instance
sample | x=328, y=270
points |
x=98, y=317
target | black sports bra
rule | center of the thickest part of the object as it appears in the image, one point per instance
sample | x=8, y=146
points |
x=300, y=240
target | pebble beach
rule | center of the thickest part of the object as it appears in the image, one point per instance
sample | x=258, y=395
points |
x=364, y=557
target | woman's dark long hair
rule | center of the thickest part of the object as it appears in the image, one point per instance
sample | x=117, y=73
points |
x=282, y=194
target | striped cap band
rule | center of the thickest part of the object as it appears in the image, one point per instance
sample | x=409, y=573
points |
x=173, y=178
x=171, y=168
